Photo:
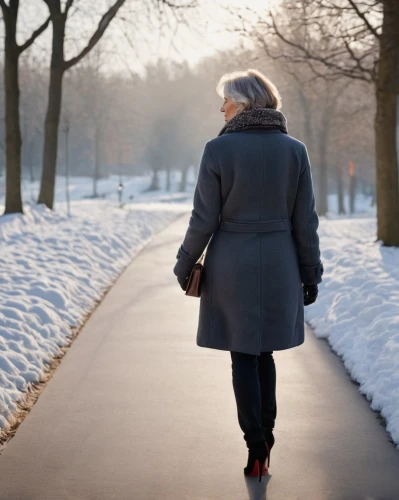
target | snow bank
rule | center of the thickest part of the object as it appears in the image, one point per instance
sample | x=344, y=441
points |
x=53, y=270
x=357, y=310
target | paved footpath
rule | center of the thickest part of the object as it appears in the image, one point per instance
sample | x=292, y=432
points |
x=137, y=411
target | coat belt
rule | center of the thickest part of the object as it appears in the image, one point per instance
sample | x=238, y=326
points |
x=256, y=226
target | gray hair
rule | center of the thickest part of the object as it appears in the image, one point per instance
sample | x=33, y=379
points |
x=249, y=89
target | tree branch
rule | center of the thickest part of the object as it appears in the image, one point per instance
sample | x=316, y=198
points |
x=364, y=19
x=307, y=56
x=68, y=5
x=102, y=26
x=4, y=6
x=335, y=71
x=185, y=6
x=35, y=34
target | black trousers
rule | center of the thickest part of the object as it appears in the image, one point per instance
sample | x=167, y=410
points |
x=254, y=383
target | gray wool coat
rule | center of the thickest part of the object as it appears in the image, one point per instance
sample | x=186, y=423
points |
x=254, y=207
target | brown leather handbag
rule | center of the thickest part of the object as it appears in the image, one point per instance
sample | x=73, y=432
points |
x=195, y=280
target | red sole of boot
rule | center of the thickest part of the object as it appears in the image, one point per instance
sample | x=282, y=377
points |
x=255, y=470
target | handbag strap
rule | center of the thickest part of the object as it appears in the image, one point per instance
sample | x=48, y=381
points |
x=203, y=253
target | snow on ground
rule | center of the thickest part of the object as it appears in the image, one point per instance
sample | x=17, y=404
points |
x=54, y=268
x=357, y=310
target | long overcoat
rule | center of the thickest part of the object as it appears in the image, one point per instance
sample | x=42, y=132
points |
x=254, y=207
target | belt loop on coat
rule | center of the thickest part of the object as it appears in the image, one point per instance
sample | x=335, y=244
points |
x=256, y=226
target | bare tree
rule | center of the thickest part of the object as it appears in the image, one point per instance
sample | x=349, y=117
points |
x=357, y=39
x=90, y=85
x=33, y=83
x=317, y=103
x=12, y=95
x=58, y=68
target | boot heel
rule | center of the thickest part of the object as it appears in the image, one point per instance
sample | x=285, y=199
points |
x=268, y=455
x=257, y=462
x=263, y=470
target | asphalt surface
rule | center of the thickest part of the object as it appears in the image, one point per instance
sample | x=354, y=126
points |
x=137, y=411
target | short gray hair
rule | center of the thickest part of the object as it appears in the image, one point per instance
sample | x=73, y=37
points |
x=249, y=89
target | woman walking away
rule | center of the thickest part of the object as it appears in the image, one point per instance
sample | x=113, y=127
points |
x=254, y=204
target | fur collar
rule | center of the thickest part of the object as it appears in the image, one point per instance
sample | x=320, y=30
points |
x=256, y=118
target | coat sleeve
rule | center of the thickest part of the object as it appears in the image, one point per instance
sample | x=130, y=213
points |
x=205, y=215
x=305, y=222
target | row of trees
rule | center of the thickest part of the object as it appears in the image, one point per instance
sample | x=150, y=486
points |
x=348, y=40
x=58, y=16
x=161, y=121
x=59, y=12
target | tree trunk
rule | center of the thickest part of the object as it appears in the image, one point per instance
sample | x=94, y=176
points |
x=322, y=188
x=308, y=135
x=322, y=185
x=385, y=128
x=340, y=190
x=155, y=180
x=2, y=160
x=352, y=193
x=183, y=180
x=96, y=160
x=53, y=113
x=13, y=131
x=168, y=179
x=30, y=164
x=57, y=69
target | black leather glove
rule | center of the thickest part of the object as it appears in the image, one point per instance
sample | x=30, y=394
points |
x=183, y=282
x=310, y=293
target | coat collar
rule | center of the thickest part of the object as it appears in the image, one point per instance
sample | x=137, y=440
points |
x=268, y=118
